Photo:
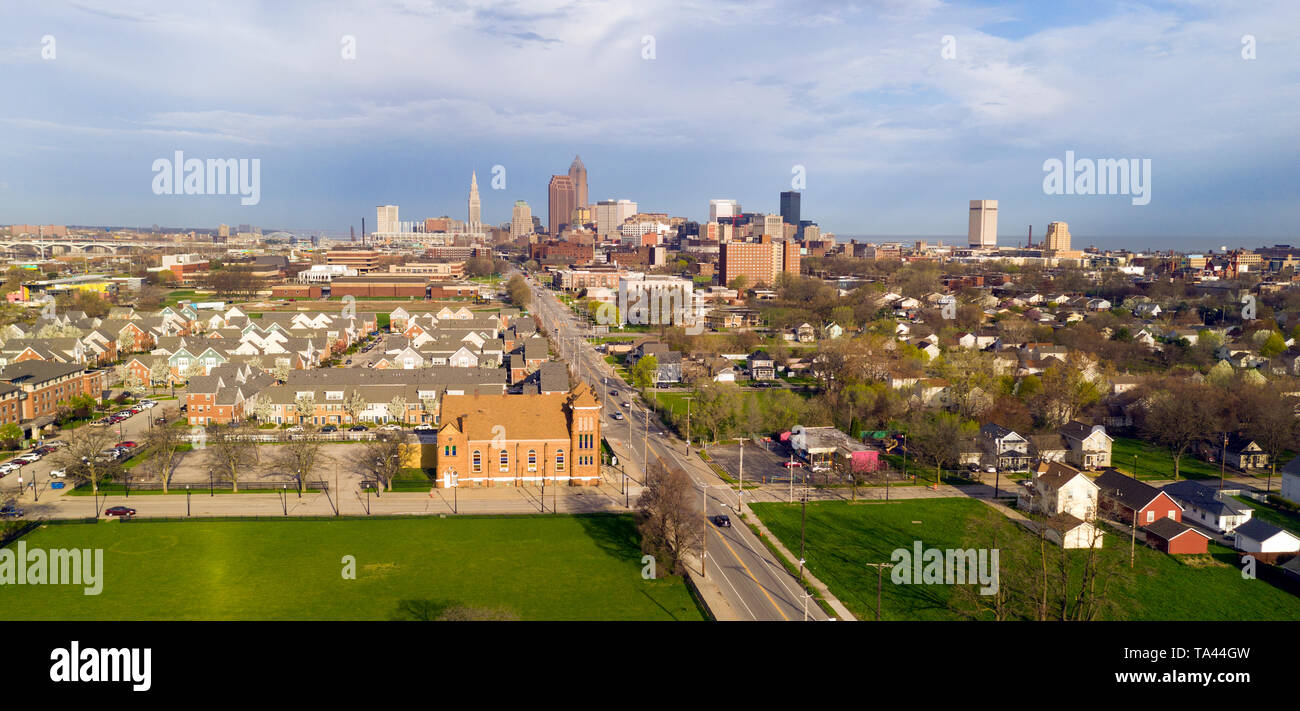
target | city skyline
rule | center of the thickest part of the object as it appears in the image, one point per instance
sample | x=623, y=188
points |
x=890, y=137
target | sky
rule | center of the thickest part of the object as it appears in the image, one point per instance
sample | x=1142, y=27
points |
x=894, y=113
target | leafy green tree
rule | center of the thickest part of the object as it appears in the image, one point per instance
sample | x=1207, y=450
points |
x=644, y=372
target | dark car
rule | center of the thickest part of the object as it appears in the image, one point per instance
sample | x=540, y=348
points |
x=722, y=521
x=119, y=511
x=329, y=428
x=10, y=511
x=160, y=420
x=357, y=428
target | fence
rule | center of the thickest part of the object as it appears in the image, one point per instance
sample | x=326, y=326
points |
x=279, y=436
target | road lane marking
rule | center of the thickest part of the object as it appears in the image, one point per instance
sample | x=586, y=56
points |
x=748, y=572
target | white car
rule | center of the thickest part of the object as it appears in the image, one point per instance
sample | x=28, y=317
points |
x=58, y=473
x=10, y=467
x=147, y=404
x=33, y=457
x=391, y=428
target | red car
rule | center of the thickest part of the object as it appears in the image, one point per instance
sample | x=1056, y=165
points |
x=119, y=511
x=789, y=465
x=129, y=445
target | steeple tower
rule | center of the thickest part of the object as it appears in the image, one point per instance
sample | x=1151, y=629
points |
x=475, y=211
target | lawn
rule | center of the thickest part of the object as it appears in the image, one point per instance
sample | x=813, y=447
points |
x=843, y=537
x=538, y=567
x=1155, y=462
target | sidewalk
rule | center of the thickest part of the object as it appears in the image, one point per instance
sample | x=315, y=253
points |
x=841, y=611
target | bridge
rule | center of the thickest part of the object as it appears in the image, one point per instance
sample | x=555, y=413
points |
x=44, y=248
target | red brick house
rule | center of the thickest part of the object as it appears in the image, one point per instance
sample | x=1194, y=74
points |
x=1169, y=536
x=1122, y=496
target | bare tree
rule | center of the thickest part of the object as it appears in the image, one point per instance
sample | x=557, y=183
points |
x=670, y=526
x=304, y=406
x=163, y=445
x=85, y=458
x=355, y=405
x=1178, y=416
x=231, y=450
x=299, y=459
x=383, y=458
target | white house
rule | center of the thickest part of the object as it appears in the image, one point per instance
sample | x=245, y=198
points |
x=1256, y=536
x=1070, y=532
x=1291, y=481
x=1061, y=489
x=1205, y=506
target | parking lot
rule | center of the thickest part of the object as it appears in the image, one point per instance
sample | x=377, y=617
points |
x=763, y=464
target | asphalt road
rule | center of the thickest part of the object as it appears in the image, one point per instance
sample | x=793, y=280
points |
x=753, y=582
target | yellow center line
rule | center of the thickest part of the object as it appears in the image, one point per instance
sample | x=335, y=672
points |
x=750, y=574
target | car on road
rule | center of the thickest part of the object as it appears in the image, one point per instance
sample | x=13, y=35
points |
x=329, y=428
x=618, y=415
x=120, y=511
x=721, y=521
x=424, y=428
x=391, y=428
x=626, y=405
x=10, y=511
x=792, y=465
x=160, y=420
x=357, y=428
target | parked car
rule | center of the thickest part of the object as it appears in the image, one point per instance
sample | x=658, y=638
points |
x=10, y=467
x=128, y=444
x=357, y=428
x=160, y=420
x=120, y=511
x=792, y=464
x=391, y=428
x=295, y=429
x=722, y=521
x=58, y=473
x=329, y=428
x=33, y=457
x=10, y=511
x=424, y=428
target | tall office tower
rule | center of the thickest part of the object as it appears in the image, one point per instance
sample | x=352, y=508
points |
x=983, y=223
x=771, y=225
x=723, y=210
x=561, y=199
x=790, y=207
x=475, y=209
x=1058, y=237
x=611, y=214
x=386, y=218
x=521, y=220
x=578, y=174
x=811, y=232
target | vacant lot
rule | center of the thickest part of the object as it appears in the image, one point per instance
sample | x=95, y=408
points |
x=843, y=537
x=538, y=568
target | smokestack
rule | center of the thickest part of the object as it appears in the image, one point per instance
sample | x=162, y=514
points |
x=1031, y=236
x=363, y=231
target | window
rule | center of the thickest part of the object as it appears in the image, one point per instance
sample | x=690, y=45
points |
x=476, y=462
x=1151, y=516
x=559, y=460
x=505, y=461
x=532, y=460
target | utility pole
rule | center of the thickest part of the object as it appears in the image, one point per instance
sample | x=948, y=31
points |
x=645, y=442
x=688, y=425
x=880, y=582
x=1223, y=460
x=740, y=486
x=704, y=550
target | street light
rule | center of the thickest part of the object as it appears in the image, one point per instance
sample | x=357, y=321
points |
x=187, y=499
x=284, y=498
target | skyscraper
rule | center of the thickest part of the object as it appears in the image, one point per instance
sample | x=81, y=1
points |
x=578, y=174
x=1058, y=237
x=983, y=223
x=386, y=218
x=790, y=207
x=723, y=210
x=611, y=214
x=521, y=220
x=475, y=211
x=562, y=197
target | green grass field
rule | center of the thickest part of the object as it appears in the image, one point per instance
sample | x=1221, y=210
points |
x=1155, y=462
x=537, y=567
x=842, y=537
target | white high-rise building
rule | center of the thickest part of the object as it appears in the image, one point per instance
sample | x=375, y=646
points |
x=983, y=223
x=723, y=209
x=521, y=220
x=386, y=218
x=610, y=215
x=772, y=226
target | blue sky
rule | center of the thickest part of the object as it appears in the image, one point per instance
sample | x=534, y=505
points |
x=895, y=139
